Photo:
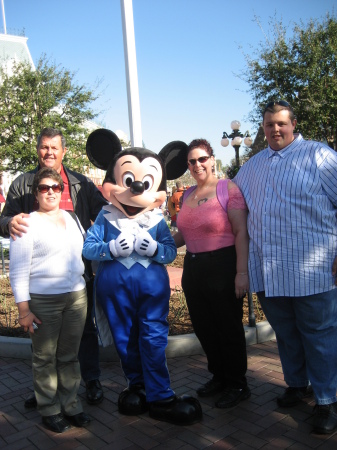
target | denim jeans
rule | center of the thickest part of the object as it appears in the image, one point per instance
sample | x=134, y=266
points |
x=306, y=332
x=88, y=354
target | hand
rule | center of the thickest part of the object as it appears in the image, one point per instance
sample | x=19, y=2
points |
x=334, y=269
x=241, y=285
x=145, y=245
x=18, y=225
x=123, y=245
x=27, y=322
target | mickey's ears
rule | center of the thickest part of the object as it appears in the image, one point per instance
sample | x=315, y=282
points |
x=102, y=146
x=174, y=154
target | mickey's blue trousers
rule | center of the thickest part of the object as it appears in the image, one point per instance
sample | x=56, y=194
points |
x=136, y=304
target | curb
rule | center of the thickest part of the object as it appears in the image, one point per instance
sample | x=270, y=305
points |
x=181, y=345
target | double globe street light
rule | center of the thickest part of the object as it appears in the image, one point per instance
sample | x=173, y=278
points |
x=236, y=137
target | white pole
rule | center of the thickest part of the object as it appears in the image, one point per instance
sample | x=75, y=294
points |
x=3, y=16
x=131, y=73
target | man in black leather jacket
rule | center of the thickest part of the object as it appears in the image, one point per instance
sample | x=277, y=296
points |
x=86, y=201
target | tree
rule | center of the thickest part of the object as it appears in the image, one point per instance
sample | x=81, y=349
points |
x=301, y=69
x=232, y=169
x=33, y=99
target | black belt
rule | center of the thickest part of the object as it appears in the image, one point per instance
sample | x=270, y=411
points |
x=211, y=253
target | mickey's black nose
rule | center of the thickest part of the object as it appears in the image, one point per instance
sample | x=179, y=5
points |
x=137, y=187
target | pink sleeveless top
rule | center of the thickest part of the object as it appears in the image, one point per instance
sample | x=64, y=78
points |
x=206, y=227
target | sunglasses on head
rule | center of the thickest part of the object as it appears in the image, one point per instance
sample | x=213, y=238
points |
x=44, y=188
x=202, y=160
x=281, y=103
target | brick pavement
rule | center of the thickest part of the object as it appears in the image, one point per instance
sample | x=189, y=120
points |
x=256, y=423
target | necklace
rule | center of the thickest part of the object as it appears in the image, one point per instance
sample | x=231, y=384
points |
x=196, y=196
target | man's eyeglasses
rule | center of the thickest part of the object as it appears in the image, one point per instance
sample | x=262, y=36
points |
x=44, y=188
x=202, y=160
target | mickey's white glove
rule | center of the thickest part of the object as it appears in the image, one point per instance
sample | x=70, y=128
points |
x=145, y=245
x=123, y=245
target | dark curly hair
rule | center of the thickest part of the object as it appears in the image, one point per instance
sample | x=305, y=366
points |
x=46, y=172
x=202, y=143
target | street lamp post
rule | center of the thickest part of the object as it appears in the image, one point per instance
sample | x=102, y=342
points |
x=236, y=137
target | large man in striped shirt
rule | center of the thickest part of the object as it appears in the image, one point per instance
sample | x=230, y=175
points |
x=291, y=192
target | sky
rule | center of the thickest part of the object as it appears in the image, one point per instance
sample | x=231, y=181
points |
x=189, y=56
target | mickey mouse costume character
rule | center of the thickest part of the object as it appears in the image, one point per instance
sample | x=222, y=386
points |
x=131, y=240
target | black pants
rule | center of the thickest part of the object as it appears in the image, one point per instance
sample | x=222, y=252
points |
x=88, y=354
x=216, y=314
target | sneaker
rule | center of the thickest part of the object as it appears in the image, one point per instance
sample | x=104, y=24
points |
x=325, y=420
x=293, y=396
x=232, y=397
x=211, y=387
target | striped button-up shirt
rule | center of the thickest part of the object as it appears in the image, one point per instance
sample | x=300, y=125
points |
x=291, y=195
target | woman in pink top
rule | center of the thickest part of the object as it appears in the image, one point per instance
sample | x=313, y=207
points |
x=212, y=223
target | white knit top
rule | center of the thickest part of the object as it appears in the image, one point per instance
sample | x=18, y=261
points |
x=47, y=259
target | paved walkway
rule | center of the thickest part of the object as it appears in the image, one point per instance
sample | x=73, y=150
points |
x=256, y=423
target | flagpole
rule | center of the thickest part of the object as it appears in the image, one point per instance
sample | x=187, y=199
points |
x=131, y=73
x=3, y=16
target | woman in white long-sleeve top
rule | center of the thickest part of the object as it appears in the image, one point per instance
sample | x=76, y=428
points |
x=46, y=275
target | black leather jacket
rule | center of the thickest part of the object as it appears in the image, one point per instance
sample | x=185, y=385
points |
x=86, y=198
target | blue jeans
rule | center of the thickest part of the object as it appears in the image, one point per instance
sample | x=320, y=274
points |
x=306, y=332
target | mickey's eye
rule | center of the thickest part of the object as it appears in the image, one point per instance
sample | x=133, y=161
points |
x=128, y=179
x=148, y=182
